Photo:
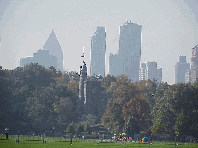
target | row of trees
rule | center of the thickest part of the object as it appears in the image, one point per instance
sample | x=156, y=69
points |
x=78, y=129
x=148, y=106
x=37, y=99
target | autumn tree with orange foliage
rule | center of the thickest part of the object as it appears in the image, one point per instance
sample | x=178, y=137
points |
x=126, y=99
x=138, y=108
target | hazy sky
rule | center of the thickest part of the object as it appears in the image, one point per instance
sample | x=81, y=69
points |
x=169, y=28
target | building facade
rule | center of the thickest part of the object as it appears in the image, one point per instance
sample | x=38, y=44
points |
x=142, y=72
x=129, y=53
x=114, y=64
x=181, y=68
x=194, y=64
x=42, y=57
x=52, y=44
x=150, y=71
x=98, y=50
x=188, y=76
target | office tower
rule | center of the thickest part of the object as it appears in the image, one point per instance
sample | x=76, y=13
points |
x=42, y=57
x=54, y=48
x=181, y=68
x=98, y=49
x=194, y=64
x=129, y=53
x=149, y=71
x=114, y=64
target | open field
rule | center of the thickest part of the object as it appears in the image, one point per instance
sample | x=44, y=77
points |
x=79, y=143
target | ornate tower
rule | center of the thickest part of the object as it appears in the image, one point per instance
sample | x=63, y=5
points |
x=83, y=78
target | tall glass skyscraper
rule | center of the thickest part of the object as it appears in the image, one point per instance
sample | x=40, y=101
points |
x=98, y=49
x=194, y=64
x=181, y=68
x=129, y=53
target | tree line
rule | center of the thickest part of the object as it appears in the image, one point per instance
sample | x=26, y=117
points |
x=34, y=98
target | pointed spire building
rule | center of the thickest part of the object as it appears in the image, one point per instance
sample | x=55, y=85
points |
x=52, y=44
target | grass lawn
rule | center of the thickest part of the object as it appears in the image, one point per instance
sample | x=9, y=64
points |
x=87, y=144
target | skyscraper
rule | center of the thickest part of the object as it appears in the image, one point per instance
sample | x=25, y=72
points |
x=194, y=64
x=129, y=52
x=54, y=48
x=98, y=49
x=114, y=64
x=181, y=68
x=0, y=43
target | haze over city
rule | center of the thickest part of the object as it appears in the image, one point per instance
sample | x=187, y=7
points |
x=169, y=28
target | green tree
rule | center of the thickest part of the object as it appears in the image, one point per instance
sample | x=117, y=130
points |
x=73, y=86
x=5, y=95
x=123, y=91
x=50, y=106
x=106, y=82
x=32, y=75
x=87, y=128
x=39, y=107
x=79, y=129
x=174, y=111
x=70, y=128
x=54, y=72
x=132, y=127
x=138, y=108
x=71, y=76
x=112, y=117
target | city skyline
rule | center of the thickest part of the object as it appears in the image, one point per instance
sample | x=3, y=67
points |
x=169, y=29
